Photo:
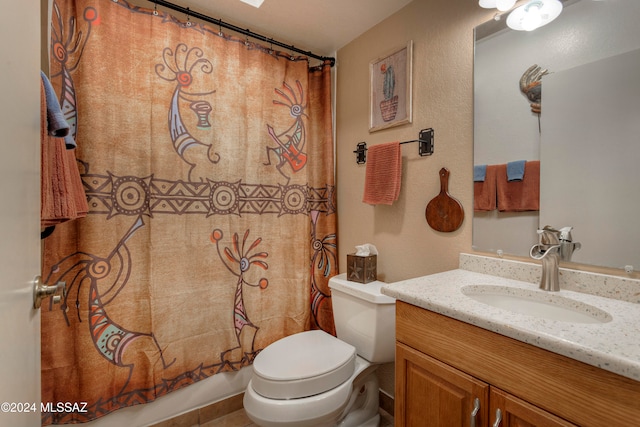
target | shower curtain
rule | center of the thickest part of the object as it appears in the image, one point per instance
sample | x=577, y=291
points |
x=207, y=162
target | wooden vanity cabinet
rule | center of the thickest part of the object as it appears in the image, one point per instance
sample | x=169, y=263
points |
x=516, y=412
x=432, y=393
x=444, y=365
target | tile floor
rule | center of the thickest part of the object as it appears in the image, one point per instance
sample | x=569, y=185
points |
x=240, y=419
x=229, y=413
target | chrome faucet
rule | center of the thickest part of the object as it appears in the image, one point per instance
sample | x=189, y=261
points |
x=548, y=251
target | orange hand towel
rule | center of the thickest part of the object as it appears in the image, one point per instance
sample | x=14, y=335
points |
x=519, y=196
x=484, y=193
x=383, y=174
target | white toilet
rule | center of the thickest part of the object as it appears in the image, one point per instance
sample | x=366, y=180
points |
x=314, y=379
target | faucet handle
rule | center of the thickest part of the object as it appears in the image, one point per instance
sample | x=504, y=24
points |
x=565, y=234
x=548, y=236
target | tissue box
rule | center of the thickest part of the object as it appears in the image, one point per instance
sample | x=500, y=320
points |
x=362, y=269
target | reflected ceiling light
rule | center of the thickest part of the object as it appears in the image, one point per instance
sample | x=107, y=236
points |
x=501, y=5
x=534, y=14
x=487, y=4
x=254, y=3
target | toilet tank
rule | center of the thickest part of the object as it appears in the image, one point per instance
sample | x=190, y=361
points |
x=364, y=318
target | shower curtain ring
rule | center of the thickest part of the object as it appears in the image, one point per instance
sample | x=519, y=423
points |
x=220, y=33
x=155, y=8
x=188, y=23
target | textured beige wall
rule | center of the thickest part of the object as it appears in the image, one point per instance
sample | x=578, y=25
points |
x=442, y=33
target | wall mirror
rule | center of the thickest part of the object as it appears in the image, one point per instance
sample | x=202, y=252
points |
x=586, y=136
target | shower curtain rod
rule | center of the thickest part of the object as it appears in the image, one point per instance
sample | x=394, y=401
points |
x=242, y=31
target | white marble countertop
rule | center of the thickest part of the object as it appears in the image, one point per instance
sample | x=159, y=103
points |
x=613, y=346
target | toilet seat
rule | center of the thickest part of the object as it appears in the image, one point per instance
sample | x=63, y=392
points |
x=323, y=409
x=302, y=365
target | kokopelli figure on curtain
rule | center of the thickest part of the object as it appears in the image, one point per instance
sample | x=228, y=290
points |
x=180, y=66
x=67, y=46
x=290, y=142
x=324, y=261
x=106, y=277
x=241, y=260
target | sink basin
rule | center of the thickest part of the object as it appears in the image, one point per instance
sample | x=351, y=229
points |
x=542, y=304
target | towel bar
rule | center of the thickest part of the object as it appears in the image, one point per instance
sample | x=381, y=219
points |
x=425, y=146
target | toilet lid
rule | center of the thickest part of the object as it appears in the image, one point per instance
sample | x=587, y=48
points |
x=302, y=365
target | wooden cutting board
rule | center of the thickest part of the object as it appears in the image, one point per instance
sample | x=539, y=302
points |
x=444, y=213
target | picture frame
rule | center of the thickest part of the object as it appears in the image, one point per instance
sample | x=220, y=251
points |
x=391, y=81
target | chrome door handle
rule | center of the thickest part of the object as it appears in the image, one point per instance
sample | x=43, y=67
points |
x=42, y=291
x=474, y=413
x=498, y=418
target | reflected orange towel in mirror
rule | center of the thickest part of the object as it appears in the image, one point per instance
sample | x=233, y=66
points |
x=519, y=196
x=484, y=193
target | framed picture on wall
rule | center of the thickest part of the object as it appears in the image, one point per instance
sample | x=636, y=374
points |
x=390, y=93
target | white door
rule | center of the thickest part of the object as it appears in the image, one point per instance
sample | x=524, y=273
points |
x=19, y=212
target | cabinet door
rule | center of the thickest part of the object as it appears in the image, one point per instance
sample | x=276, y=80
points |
x=430, y=393
x=515, y=412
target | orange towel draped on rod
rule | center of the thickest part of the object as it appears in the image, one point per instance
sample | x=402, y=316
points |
x=62, y=193
x=383, y=174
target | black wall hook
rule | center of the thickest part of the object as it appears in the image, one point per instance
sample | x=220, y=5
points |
x=361, y=153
